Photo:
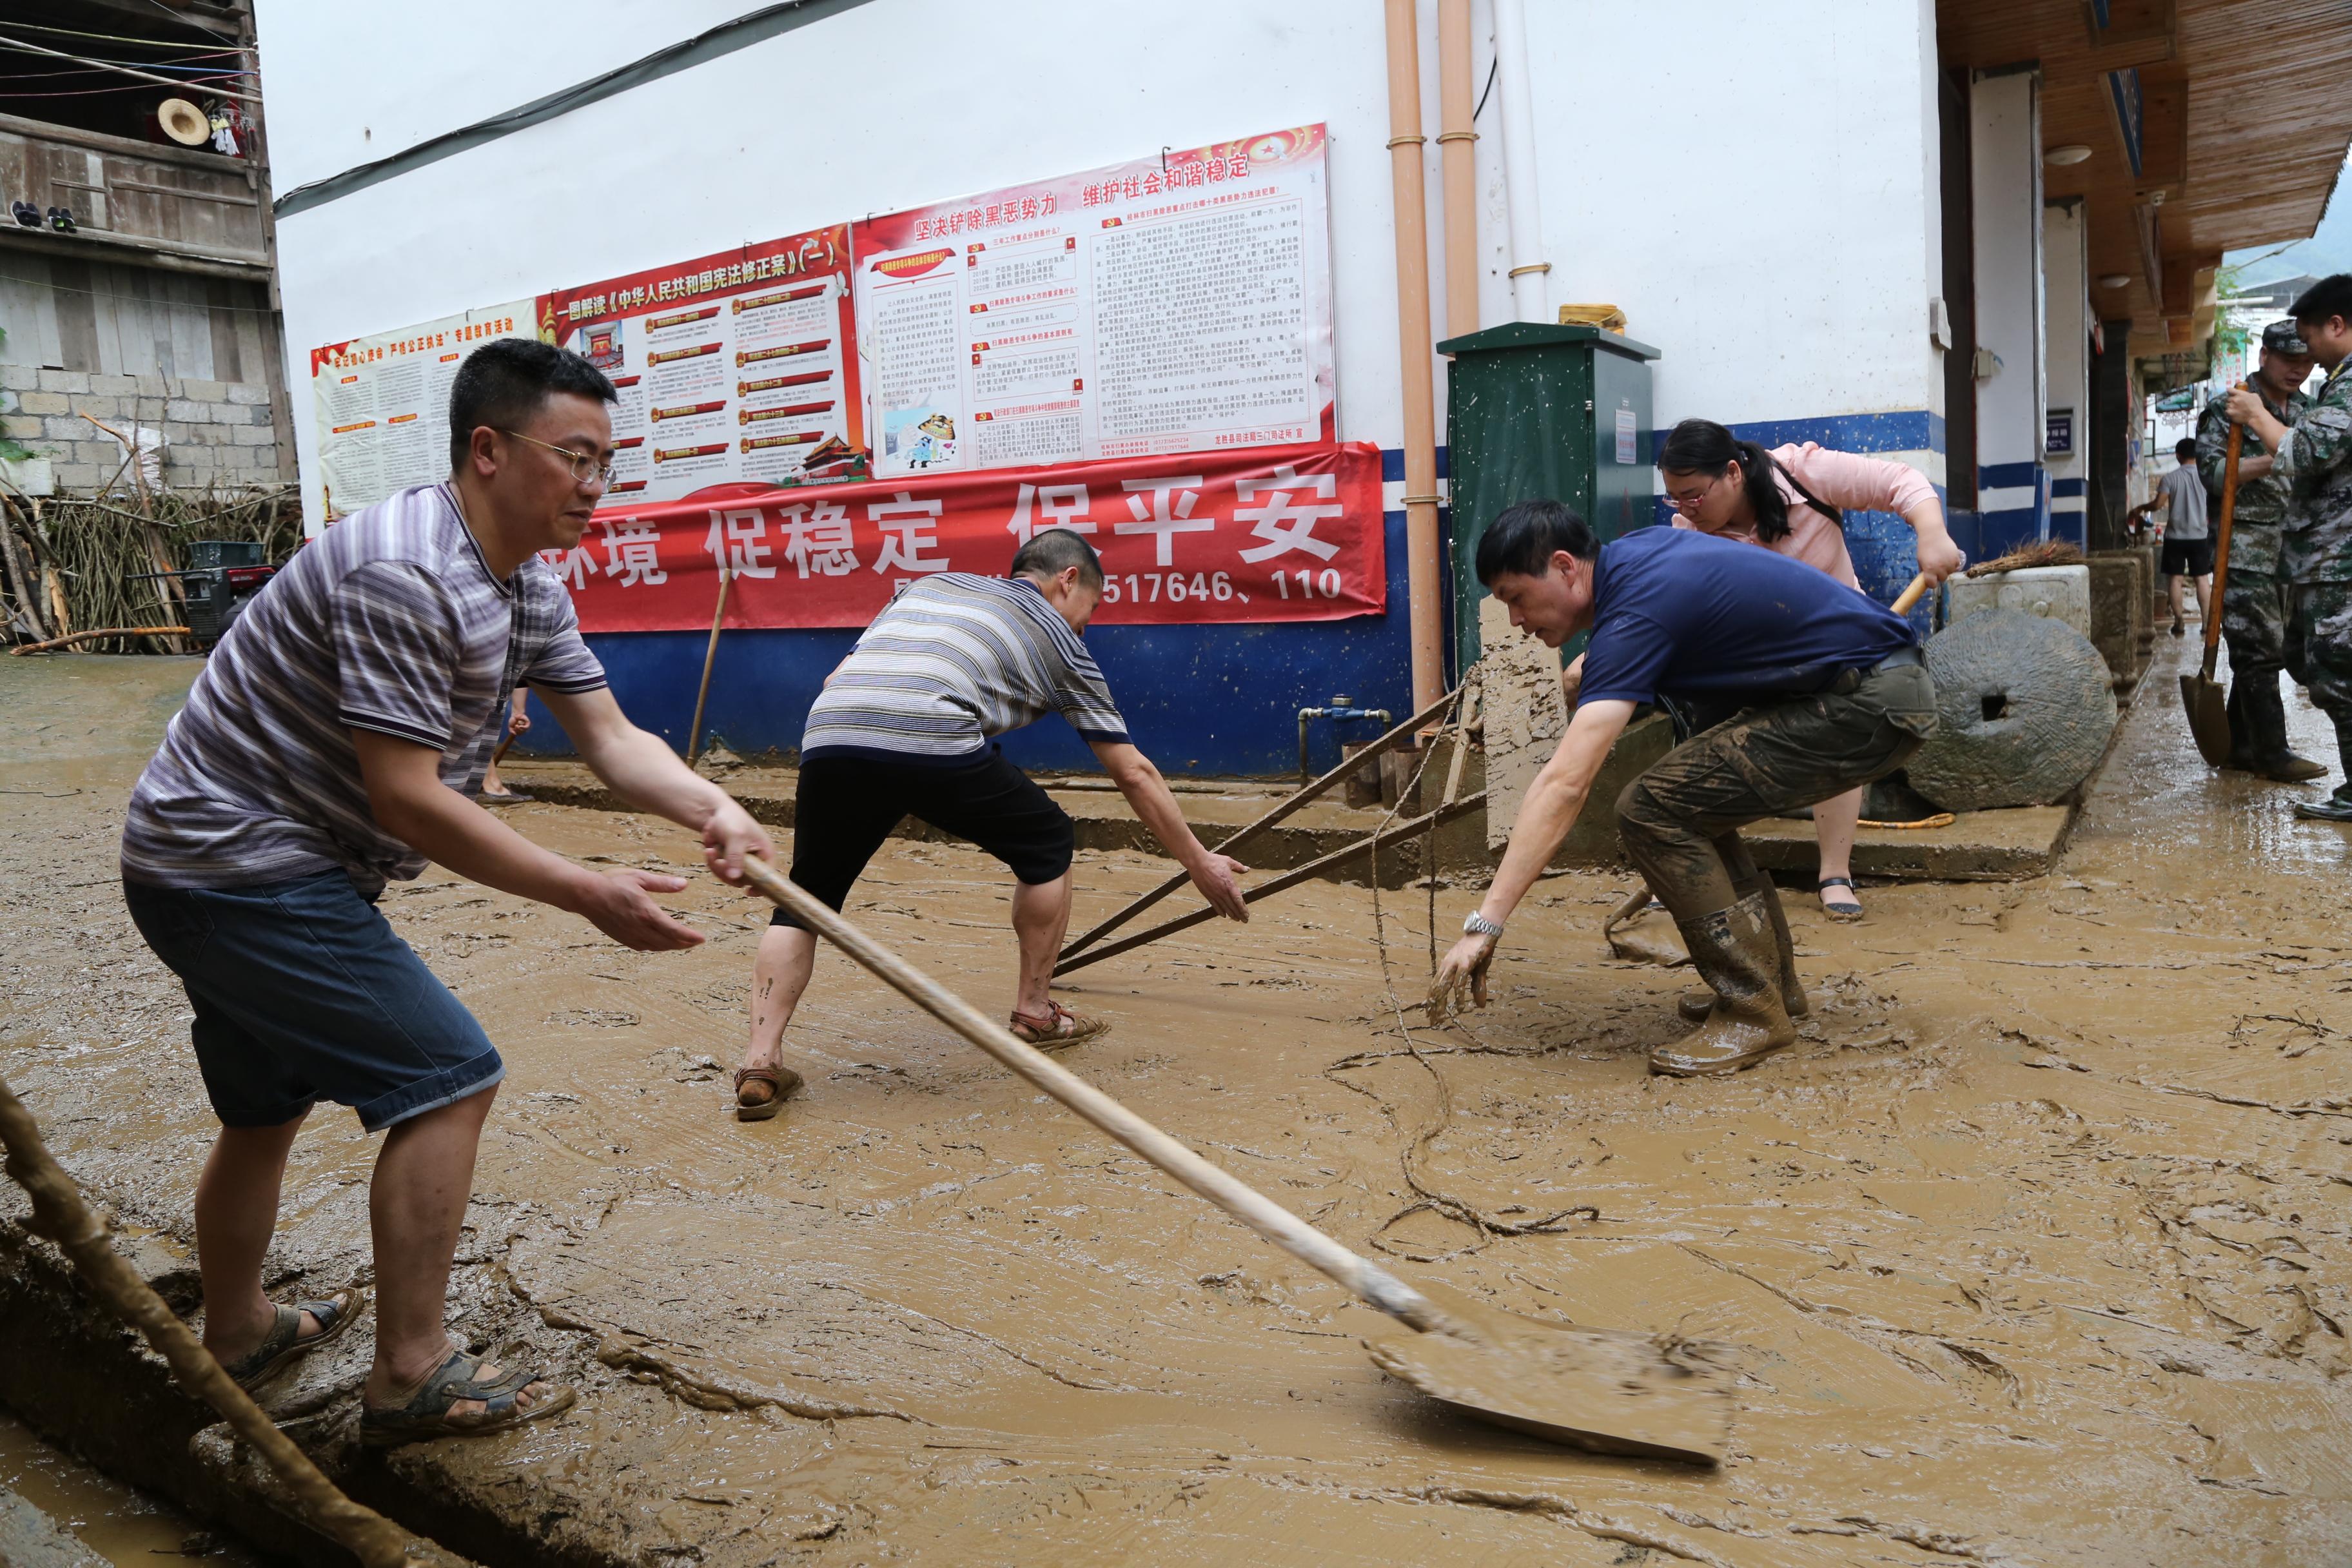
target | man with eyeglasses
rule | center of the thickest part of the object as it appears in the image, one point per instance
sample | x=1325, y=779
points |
x=329, y=746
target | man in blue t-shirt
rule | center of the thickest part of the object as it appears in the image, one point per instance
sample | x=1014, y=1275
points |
x=1832, y=693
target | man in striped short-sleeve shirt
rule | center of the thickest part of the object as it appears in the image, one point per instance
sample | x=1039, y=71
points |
x=328, y=746
x=906, y=727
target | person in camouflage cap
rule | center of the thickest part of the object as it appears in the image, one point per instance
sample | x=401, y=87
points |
x=2255, y=595
x=2315, y=461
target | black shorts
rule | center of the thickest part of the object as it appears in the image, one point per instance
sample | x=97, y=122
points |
x=847, y=806
x=2188, y=558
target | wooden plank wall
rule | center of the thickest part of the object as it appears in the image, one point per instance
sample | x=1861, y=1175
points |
x=115, y=319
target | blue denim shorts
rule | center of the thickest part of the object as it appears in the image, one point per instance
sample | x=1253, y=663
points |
x=304, y=993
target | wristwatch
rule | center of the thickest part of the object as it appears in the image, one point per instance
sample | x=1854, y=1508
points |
x=1476, y=924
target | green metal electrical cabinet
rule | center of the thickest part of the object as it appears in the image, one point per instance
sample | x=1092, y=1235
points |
x=1541, y=412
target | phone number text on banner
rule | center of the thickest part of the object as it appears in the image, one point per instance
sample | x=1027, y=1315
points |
x=1276, y=533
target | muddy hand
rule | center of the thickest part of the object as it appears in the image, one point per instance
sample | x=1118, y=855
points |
x=1461, y=977
x=620, y=904
x=1218, y=879
x=728, y=836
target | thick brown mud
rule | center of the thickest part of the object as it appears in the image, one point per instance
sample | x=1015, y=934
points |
x=2034, y=1251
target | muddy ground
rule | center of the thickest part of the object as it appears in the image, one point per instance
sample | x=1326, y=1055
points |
x=2036, y=1246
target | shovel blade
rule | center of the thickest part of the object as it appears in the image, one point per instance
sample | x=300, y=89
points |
x=1605, y=1391
x=2206, y=703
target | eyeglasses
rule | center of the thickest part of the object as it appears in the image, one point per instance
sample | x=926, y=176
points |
x=586, y=469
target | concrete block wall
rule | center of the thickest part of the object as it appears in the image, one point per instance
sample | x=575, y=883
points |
x=218, y=434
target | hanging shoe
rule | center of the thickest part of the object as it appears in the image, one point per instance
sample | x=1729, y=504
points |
x=61, y=220
x=1733, y=951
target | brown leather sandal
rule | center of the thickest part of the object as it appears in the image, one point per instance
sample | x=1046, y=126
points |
x=782, y=1084
x=1059, y=1028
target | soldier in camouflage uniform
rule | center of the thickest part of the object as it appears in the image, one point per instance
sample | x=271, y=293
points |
x=2315, y=460
x=2255, y=595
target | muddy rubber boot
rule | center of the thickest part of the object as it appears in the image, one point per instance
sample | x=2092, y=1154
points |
x=1696, y=1004
x=2263, y=749
x=1733, y=951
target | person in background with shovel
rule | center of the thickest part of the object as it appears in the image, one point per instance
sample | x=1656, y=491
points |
x=1832, y=691
x=2314, y=460
x=906, y=727
x=2254, y=597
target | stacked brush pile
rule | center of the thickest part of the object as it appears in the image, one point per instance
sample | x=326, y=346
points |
x=75, y=567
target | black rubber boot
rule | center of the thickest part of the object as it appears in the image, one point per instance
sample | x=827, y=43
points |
x=2242, y=740
x=1733, y=951
x=2258, y=735
x=2336, y=807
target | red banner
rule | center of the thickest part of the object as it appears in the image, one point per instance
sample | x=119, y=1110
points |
x=1274, y=533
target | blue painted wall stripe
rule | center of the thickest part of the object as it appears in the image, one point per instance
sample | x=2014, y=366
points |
x=1392, y=464
x=2067, y=486
x=2007, y=475
x=1902, y=430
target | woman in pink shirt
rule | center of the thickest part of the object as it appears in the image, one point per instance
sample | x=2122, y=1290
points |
x=1792, y=499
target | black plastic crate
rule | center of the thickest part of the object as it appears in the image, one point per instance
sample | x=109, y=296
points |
x=203, y=554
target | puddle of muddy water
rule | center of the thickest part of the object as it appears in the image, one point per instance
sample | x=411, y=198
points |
x=127, y=1527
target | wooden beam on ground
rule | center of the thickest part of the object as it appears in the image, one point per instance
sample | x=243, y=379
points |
x=1292, y=804
x=1428, y=822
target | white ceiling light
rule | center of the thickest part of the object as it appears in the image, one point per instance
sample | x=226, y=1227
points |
x=2073, y=152
x=2114, y=280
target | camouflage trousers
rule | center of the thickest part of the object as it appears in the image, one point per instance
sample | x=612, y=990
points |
x=1680, y=818
x=2254, y=613
x=2319, y=650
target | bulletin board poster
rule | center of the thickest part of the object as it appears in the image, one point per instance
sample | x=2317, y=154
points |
x=381, y=405
x=736, y=368
x=1178, y=303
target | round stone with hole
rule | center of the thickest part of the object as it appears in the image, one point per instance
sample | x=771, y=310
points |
x=2026, y=709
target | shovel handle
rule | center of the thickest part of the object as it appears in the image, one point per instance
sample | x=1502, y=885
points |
x=2221, y=544
x=1278, y=1225
x=1910, y=595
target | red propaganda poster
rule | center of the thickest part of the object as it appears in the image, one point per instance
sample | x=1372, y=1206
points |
x=1276, y=533
x=734, y=368
x=1178, y=303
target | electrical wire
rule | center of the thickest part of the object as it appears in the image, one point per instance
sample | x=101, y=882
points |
x=97, y=65
x=202, y=73
x=126, y=70
x=88, y=91
x=113, y=37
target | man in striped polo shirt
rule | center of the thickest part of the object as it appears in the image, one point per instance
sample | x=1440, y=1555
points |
x=904, y=728
x=329, y=746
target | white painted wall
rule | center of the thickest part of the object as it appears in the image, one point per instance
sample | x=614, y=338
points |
x=1761, y=201
x=2005, y=170
x=1759, y=197
x=2065, y=264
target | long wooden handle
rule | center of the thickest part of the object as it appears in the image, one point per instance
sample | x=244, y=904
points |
x=1365, y=1279
x=2222, y=546
x=1910, y=595
x=709, y=658
x=1234, y=841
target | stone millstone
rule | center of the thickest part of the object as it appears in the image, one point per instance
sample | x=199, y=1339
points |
x=2027, y=705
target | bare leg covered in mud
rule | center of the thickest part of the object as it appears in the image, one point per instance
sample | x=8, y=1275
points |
x=237, y=1211
x=416, y=1205
x=781, y=973
x=1040, y=916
